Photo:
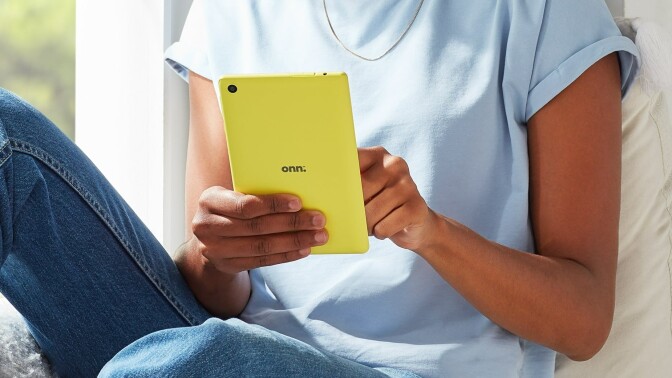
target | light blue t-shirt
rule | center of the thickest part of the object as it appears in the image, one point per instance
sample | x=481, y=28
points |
x=453, y=99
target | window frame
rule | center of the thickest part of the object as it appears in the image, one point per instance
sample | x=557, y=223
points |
x=132, y=111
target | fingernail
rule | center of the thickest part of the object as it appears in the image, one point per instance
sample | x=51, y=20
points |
x=294, y=204
x=321, y=237
x=304, y=252
x=318, y=221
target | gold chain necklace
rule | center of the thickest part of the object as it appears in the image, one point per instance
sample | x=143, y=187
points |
x=417, y=10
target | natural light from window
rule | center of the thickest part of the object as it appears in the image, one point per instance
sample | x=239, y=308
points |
x=37, y=56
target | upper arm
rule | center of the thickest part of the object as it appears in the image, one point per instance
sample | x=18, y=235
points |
x=207, y=154
x=575, y=161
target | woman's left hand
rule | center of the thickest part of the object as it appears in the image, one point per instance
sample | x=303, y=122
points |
x=394, y=207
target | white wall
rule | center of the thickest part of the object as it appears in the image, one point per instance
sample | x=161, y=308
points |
x=176, y=130
x=616, y=7
x=131, y=113
x=659, y=11
x=655, y=10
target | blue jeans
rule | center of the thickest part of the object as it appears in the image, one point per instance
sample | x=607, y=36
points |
x=94, y=285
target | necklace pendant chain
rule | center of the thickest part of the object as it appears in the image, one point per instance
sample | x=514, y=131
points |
x=408, y=27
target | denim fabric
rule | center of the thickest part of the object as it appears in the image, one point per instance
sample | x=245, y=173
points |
x=90, y=279
x=231, y=348
x=77, y=263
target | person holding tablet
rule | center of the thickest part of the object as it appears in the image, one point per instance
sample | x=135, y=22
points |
x=489, y=155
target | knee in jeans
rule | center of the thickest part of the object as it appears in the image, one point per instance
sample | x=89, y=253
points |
x=10, y=103
x=232, y=336
x=14, y=111
x=215, y=346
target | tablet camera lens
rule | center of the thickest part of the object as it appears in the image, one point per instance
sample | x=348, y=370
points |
x=233, y=88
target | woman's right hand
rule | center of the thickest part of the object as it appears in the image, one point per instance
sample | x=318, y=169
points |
x=235, y=232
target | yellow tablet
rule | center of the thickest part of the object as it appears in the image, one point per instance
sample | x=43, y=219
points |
x=294, y=133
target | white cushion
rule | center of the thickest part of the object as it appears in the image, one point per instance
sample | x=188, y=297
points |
x=19, y=355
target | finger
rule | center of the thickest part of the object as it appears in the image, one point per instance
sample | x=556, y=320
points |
x=394, y=222
x=248, y=246
x=374, y=181
x=248, y=263
x=219, y=226
x=246, y=206
x=382, y=205
x=369, y=156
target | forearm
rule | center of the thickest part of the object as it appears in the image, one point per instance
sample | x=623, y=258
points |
x=555, y=302
x=223, y=295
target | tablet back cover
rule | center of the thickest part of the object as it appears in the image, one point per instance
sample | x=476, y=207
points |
x=295, y=134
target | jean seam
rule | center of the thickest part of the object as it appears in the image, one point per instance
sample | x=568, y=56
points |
x=58, y=168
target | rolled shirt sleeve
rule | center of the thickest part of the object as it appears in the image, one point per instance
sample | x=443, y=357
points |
x=190, y=52
x=574, y=35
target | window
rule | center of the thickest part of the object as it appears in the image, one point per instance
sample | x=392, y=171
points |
x=37, y=56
